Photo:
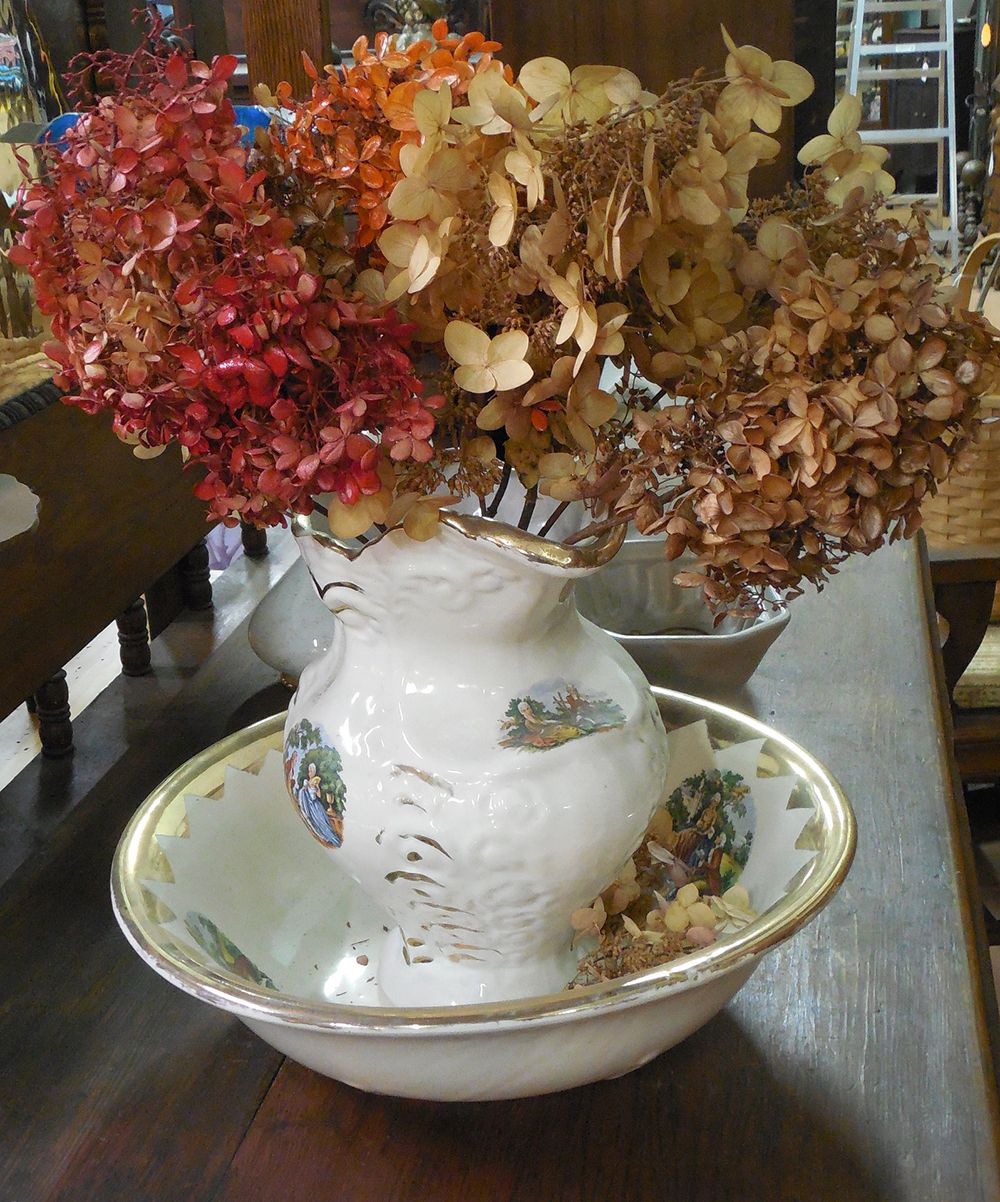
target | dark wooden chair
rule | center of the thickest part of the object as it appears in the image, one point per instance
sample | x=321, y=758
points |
x=110, y=528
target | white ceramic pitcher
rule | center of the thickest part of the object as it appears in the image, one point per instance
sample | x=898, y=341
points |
x=476, y=755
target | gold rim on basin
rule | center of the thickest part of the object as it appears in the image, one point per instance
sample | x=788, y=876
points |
x=832, y=826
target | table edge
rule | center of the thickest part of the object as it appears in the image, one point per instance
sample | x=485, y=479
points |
x=984, y=1000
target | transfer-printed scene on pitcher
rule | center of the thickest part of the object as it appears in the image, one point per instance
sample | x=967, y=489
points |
x=223, y=951
x=313, y=771
x=555, y=712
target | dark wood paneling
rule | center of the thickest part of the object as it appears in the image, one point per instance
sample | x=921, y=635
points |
x=209, y=29
x=659, y=40
x=121, y=30
x=347, y=22
x=815, y=34
x=108, y=525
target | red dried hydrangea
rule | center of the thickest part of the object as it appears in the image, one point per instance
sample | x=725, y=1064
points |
x=180, y=301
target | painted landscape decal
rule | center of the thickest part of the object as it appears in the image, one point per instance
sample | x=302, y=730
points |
x=551, y=714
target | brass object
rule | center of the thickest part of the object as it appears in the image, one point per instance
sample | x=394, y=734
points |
x=411, y=20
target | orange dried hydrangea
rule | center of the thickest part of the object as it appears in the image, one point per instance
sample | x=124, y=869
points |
x=349, y=131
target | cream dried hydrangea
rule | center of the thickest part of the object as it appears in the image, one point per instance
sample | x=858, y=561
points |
x=584, y=94
x=759, y=87
x=844, y=159
x=487, y=364
x=495, y=107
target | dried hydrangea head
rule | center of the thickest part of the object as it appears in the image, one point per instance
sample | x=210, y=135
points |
x=768, y=415
x=817, y=431
x=566, y=207
x=182, y=300
x=758, y=88
x=844, y=160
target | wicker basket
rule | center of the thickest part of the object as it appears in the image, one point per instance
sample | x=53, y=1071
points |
x=23, y=365
x=966, y=508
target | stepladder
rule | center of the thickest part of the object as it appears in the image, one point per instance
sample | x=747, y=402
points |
x=918, y=51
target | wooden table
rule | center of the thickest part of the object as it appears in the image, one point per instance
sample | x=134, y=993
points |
x=856, y=1065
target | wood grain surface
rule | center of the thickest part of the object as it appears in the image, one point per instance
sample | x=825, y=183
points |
x=855, y=1065
x=113, y=1086
x=276, y=33
x=43, y=808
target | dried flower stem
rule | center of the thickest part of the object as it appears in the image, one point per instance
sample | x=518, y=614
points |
x=626, y=513
x=494, y=505
x=530, y=500
x=553, y=517
x=595, y=528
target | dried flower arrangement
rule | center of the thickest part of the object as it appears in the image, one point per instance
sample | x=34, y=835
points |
x=773, y=385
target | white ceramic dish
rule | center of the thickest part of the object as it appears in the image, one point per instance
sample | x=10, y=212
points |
x=669, y=631
x=323, y=1010
x=291, y=627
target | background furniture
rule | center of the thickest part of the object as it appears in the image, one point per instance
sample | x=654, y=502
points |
x=856, y=1065
x=902, y=64
x=658, y=39
x=965, y=581
x=962, y=525
x=109, y=527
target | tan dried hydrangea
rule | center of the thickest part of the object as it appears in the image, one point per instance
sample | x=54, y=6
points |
x=815, y=431
x=791, y=381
